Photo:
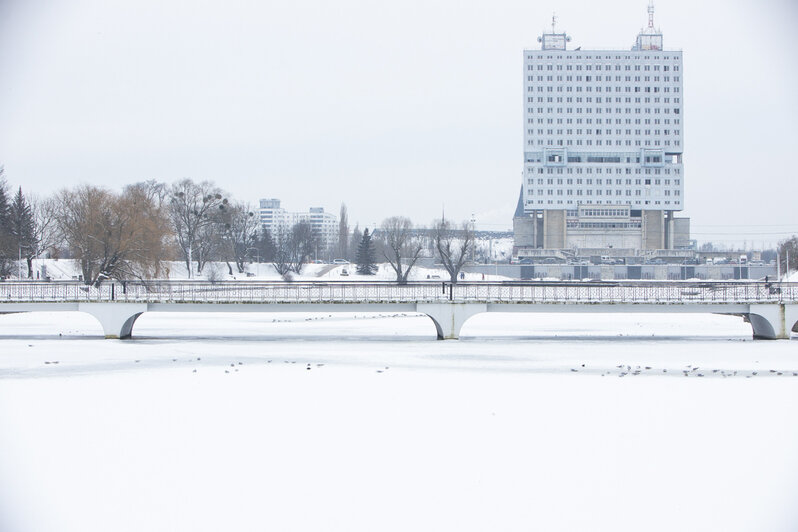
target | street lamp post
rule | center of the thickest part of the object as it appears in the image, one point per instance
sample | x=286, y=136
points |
x=257, y=252
x=19, y=262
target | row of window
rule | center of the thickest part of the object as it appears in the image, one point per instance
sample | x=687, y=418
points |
x=599, y=202
x=598, y=67
x=597, y=131
x=606, y=78
x=573, y=224
x=602, y=212
x=598, y=192
x=607, y=121
x=609, y=110
x=538, y=55
x=570, y=88
x=589, y=180
x=589, y=99
x=590, y=142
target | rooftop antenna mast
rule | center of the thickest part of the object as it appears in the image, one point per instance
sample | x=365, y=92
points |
x=553, y=22
x=651, y=14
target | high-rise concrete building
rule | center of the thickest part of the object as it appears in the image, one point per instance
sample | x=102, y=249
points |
x=603, y=144
x=276, y=219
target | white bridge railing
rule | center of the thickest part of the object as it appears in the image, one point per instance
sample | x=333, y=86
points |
x=670, y=292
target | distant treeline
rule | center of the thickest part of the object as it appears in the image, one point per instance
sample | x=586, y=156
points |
x=129, y=234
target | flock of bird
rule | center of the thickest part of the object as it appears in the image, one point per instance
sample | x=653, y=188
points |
x=622, y=370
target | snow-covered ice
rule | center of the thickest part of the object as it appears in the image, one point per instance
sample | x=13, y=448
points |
x=364, y=422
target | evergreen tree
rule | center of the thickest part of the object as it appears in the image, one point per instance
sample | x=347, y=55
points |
x=23, y=229
x=4, y=206
x=6, y=240
x=357, y=236
x=264, y=243
x=21, y=220
x=365, y=255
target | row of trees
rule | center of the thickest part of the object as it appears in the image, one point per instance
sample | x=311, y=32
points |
x=401, y=245
x=130, y=234
x=27, y=228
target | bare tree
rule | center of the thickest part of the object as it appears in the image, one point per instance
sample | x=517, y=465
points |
x=453, y=245
x=399, y=244
x=112, y=236
x=343, y=233
x=302, y=244
x=282, y=251
x=293, y=248
x=788, y=249
x=45, y=229
x=145, y=204
x=239, y=228
x=193, y=213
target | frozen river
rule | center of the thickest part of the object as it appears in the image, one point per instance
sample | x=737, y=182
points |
x=364, y=422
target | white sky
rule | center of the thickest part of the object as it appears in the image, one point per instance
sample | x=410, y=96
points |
x=393, y=108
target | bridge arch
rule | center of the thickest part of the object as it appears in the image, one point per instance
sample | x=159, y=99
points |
x=450, y=317
x=791, y=317
x=763, y=327
x=773, y=321
x=116, y=319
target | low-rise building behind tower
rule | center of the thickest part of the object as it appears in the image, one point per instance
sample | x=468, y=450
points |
x=276, y=219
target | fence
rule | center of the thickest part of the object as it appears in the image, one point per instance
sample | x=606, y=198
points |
x=382, y=292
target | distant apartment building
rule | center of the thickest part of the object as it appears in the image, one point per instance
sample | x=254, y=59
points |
x=603, y=144
x=276, y=219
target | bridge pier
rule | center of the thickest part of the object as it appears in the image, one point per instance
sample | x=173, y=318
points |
x=771, y=322
x=116, y=318
x=450, y=317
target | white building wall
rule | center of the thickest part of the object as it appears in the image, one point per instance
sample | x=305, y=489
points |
x=275, y=219
x=603, y=128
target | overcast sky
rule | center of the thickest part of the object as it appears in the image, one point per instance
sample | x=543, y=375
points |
x=391, y=107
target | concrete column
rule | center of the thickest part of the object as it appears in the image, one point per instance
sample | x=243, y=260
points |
x=653, y=229
x=116, y=318
x=771, y=322
x=450, y=317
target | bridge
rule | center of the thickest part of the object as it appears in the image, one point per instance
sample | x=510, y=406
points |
x=770, y=308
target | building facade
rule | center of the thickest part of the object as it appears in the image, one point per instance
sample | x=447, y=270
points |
x=275, y=219
x=603, y=147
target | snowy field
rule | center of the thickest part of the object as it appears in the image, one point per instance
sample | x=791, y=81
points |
x=365, y=423
x=67, y=270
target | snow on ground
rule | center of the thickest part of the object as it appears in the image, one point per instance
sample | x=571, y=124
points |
x=495, y=249
x=66, y=269
x=364, y=422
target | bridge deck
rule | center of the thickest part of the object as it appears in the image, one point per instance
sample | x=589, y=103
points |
x=771, y=308
x=352, y=293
